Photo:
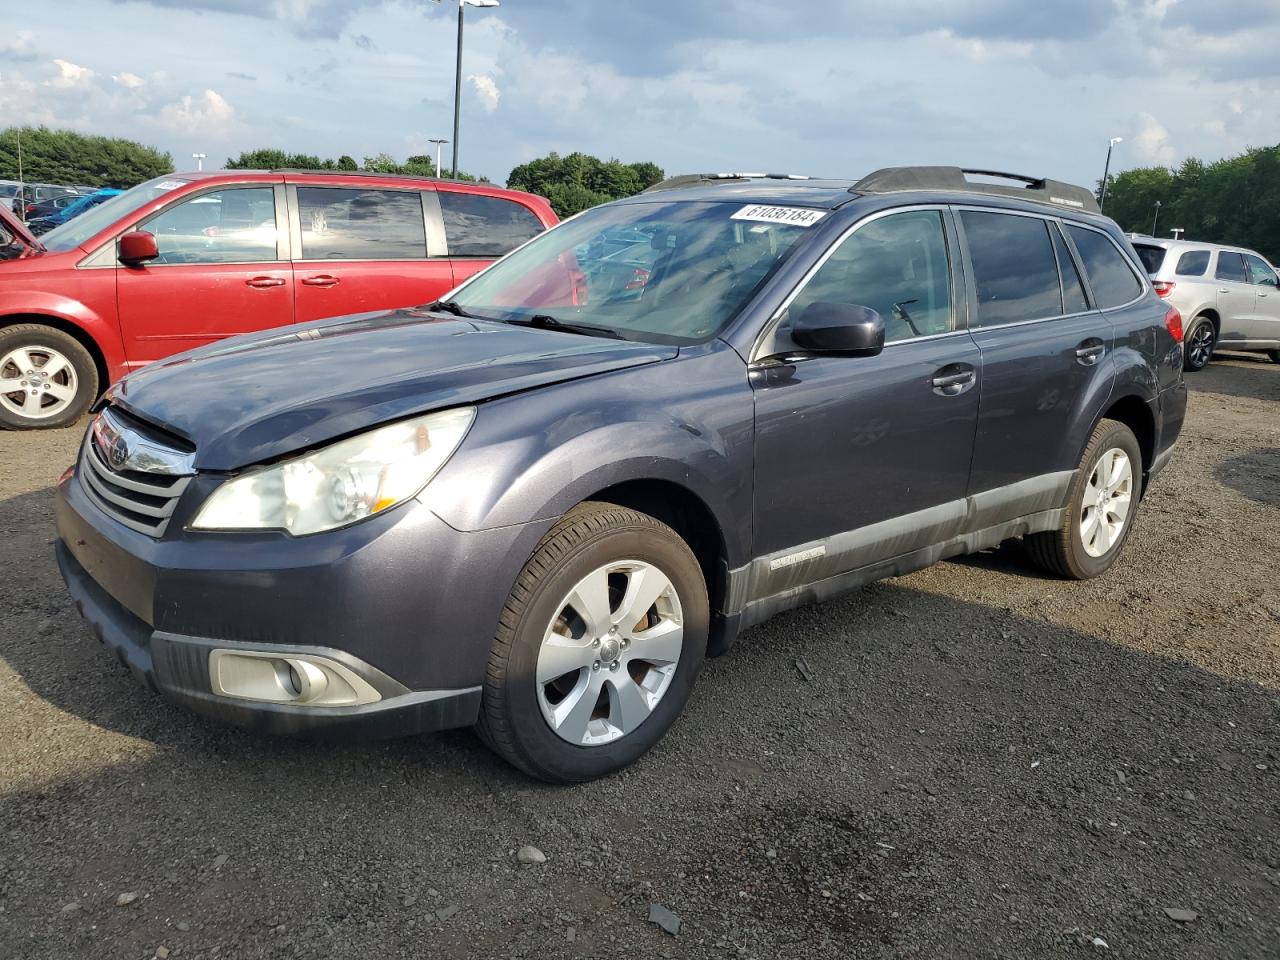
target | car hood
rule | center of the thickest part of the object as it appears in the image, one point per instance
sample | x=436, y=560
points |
x=19, y=230
x=265, y=395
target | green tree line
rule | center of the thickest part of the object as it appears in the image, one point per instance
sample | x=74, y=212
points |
x=64, y=156
x=268, y=159
x=1234, y=201
x=575, y=182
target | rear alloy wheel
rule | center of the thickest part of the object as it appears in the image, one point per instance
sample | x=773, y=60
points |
x=598, y=647
x=1102, y=504
x=47, y=378
x=1200, y=343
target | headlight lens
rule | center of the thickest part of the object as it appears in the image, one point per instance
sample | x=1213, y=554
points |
x=342, y=483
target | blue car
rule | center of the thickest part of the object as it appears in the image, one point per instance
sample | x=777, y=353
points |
x=44, y=224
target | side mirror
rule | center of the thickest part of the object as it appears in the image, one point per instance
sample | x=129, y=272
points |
x=839, y=328
x=137, y=247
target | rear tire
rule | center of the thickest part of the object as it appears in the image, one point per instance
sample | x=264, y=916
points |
x=1200, y=342
x=1107, y=486
x=577, y=689
x=47, y=378
x=1274, y=355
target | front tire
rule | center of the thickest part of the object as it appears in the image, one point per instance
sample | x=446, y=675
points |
x=1274, y=355
x=1102, y=505
x=598, y=646
x=1200, y=342
x=47, y=378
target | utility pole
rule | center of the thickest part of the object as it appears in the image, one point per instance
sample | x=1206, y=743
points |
x=21, y=202
x=1106, y=172
x=457, y=79
x=1155, y=219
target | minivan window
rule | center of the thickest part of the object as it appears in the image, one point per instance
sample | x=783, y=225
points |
x=1260, y=271
x=896, y=265
x=1152, y=257
x=1193, y=263
x=1073, y=298
x=340, y=223
x=89, y=224
x=479, y=226
x=1230, y=267
x=1110, y=276
x=1013, y=265
x=225, y=226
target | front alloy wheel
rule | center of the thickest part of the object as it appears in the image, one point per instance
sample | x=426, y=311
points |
x=47, y=377
x=598, y=647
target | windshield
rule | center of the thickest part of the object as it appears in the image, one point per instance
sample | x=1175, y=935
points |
x=667, y=271
x=75, y=232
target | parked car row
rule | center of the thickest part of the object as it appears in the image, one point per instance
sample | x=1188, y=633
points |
x=1229, y=296
x=184, y=260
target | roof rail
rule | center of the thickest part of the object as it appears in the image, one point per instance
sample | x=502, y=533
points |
x=1041, y=189
x=694, y=179
x=372, y=174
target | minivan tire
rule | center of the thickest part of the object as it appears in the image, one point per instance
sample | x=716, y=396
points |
x=1274, y=355
x=590, y=536
x=1062, y=551
x=45, y=343
x=1200, y=341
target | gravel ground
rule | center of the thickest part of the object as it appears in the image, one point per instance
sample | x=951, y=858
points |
x=981, y=763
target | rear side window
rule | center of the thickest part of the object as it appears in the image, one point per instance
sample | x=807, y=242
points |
x=1073, y=298
x=1112, y=279
x=479, y=226
x=1152, y=257
x=352, y=224
x=1193, y=263
x=1014, y=267
x=1231, y=267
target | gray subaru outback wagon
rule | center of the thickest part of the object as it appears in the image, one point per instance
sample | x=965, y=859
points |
x=536, y=506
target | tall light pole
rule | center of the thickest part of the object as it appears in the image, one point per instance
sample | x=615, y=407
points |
x=1106, y=172
x=1155, y=219
x=439, y=142
x=457, y=80
x=199, y=159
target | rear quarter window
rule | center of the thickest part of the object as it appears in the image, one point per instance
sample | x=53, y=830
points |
x=1193, y=263
x=476, y=225
x=1113, y=280
x=1152, y=257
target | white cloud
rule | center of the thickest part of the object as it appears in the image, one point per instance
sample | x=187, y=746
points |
x=70, y=75
x=487, y=89
x=1151, y=142
x=130, y=81
x=21, y=47
x=208, y=115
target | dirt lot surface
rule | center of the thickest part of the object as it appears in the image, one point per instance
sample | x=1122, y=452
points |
x=981, y=763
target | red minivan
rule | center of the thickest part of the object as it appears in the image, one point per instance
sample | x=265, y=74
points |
x=189, y=258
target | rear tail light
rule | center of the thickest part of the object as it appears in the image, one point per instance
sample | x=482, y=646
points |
x=1173, y=322
x=1163, y=287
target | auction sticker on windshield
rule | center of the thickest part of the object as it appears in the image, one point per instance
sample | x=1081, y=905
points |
x=767, y=213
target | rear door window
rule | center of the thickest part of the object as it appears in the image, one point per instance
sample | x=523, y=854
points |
x=341, y=223
x=1193, y=263
x=1231, y=267
x=1152, y=257
x=476, y=225
x=1112, y=279
x=1014, y=268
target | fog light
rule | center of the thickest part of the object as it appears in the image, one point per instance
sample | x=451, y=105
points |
x=302, y=679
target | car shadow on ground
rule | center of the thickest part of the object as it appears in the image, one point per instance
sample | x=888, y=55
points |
x=1247, y=375
x=942, y=778
x=1255, y=474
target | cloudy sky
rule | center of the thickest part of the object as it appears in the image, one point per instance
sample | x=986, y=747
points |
x=835, y=88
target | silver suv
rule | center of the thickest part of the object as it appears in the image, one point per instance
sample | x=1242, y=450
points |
x=1228, y=296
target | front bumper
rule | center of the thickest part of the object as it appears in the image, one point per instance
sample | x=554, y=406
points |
x=406, y=602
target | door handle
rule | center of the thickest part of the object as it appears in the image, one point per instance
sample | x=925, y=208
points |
x=1224, y=290
x=1262, y=293
x=264, y=282
x=324, y=280
x=1090, y=352
x=953, y=381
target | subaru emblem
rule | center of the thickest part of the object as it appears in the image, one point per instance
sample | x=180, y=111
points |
x=118, y=451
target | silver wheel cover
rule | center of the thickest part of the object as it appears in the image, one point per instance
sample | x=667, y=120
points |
x=1108, y=497
x=610, y=652
x=36, y=382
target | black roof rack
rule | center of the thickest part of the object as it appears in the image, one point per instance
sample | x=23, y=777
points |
x=695, y=179
x=1041, y=189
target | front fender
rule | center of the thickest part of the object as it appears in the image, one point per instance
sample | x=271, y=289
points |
x=687, y=421
x=22, y=302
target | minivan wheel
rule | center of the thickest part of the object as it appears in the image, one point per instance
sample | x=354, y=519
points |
x=598, y=646
x=47, y=378
x=1102, y=505
x=1200, y=343
x=1274, y=355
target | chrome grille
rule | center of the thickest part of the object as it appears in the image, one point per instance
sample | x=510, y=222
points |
x=142, y=501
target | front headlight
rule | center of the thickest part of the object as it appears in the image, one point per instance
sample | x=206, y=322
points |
x=342, y=483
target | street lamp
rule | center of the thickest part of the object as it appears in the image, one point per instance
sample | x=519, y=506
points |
x=199, y=159
x=438, y=142
x=1106, y=172
x=1155, y=219
x=457, y=80
x=1178, y=232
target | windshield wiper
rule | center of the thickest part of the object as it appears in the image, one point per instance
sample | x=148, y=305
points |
x=452, y=306
x=545, y=321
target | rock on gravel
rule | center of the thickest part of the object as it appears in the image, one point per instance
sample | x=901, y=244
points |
x=124, y=899
x=528, y=854
x=1181, y=915
x=664, y=918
